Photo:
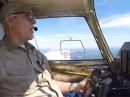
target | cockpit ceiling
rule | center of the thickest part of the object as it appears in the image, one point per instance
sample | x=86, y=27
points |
x=56, y=8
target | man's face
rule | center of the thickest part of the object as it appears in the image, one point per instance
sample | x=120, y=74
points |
x=23, y=25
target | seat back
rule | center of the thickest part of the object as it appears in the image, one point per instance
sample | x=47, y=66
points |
x=124, y=59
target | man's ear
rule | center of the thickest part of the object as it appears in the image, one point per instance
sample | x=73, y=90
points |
x=10, y=20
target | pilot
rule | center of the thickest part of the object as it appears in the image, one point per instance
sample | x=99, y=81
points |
x=24, y=71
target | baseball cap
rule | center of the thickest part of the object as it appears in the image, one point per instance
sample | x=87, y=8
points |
x=17, y=6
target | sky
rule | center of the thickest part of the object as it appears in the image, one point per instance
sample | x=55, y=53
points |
x=113, y=13
x=114, y=20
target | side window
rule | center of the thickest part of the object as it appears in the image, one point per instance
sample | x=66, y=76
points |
x=114, y=19
x=1, y=31
x=67, y=38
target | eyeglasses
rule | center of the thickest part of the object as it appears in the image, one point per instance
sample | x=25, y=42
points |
x=29, y=16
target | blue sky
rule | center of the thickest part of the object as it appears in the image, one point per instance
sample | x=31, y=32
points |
x=111, y=12
x=113, y=16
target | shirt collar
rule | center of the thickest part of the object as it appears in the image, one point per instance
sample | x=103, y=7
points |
x=11, y=46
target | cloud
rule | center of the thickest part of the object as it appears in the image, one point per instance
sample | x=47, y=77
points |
x=116, y=21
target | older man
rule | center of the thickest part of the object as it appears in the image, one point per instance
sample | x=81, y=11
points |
x=24, y=71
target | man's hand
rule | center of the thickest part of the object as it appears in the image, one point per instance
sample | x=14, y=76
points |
x=67, y=87
x=78, y=86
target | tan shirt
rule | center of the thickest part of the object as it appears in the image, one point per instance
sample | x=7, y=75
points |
x=24, y=72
